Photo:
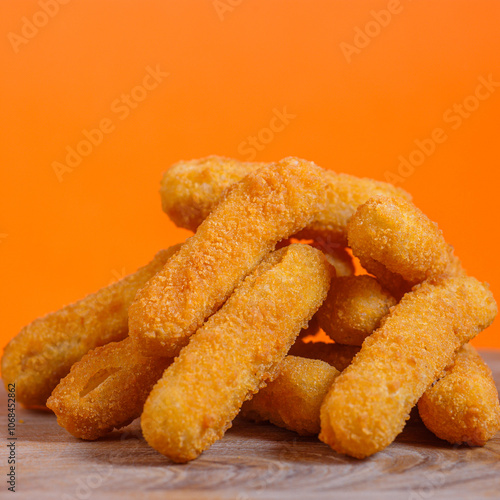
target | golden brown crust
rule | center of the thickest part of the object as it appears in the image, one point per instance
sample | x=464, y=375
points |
x=398, y=244
x=353, y=309
x=191, y=189
x=43, y=351
x=105, y=390
x=293, y=399
x=370, y=401
x=236, y=351
x=344, y=195
x=263, y=208
x=462, y=406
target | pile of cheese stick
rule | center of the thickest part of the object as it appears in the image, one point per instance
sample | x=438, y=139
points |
x=214, y=327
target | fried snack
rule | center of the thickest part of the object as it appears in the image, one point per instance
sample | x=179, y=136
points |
x=370, y=401
x=105, y=390
x=337, y=355
x=264, y=207
x=336, y=255
x=398, y=244
x=191, y=189
x=462, y=406
x=293, y=400
x=43, y=352
x=353, y=309
x=235, y=353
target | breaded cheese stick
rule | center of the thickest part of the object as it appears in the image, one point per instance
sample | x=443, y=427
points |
x=105, y=390
x=462, y=405
x=235, y=353
x=293, y=399
x=353, y=309
x=108, y=387
x=191, y=189
x=399, y=244
x=43, y=352
x=263, y=208
x=369, y=403
x=336, y=255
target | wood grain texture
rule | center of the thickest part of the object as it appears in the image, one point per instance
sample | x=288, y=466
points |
x=250, y=462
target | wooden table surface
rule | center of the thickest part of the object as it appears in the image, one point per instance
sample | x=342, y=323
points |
x=250, y=462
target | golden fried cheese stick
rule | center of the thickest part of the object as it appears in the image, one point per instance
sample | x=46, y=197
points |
x=43, y=352
x=293, y=399
x=353, y=309
x=264, y=207
x=191, y=189
x=336, y=255
x=397, y=243
x=370, y=401
x=105, y=390
x=108, y=387
x=462, y=406
x=235, y=353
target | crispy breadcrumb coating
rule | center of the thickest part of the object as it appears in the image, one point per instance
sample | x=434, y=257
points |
x=235, y=353
x=353, y=309
x=263, y=208
x=344, y=195
x=105, y=390
x=43, y=351
x=462, y=406
x=293, y=400
x=371, y=400
x=191, y=189
x=398, y=244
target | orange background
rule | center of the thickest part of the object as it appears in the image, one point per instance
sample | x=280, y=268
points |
x=228, y=71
